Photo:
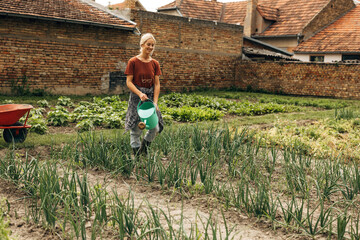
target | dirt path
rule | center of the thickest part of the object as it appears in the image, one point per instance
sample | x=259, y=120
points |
x=191, y=209
x=17, y=217
x=169, y=201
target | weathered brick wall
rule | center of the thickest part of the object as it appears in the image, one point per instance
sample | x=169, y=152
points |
x=192, y=53
x=69, y=58
x=334, y=10
x=309, y=79
x=59, y=57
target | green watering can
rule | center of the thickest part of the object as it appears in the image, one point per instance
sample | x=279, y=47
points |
x=147, y=114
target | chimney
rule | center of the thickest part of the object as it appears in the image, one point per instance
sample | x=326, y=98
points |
x=250, y=18
x=131, y=4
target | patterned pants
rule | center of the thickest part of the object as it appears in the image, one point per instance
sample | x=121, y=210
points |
x=135, y=134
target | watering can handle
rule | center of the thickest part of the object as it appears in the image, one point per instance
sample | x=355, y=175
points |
x=143, y=102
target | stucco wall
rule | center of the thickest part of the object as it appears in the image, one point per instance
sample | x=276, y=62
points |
x=284, y=43
x=328, y=58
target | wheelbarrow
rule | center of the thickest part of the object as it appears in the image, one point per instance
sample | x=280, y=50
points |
x=14, y=131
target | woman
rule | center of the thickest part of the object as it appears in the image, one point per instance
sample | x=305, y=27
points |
x=143, y=81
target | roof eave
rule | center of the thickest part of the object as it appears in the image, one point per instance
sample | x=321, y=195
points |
x=269, y=46
x=167, y=9
x=69, y=21
x=327, y=52
x=276, y=36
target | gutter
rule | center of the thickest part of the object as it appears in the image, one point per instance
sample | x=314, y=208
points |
x=276, y=36
x=269, y=46
x=166, y=9
x=172, y=8
x=328, y=52
x=133, y=29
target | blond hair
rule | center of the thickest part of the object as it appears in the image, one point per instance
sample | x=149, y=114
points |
x=146, y=37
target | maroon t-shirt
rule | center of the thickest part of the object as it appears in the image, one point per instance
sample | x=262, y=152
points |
x=143, y=72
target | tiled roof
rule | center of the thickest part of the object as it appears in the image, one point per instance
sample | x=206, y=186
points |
x=268, y=13
x=341, y=36
x=170, y=5
x=248, y=51
x=73, y=10
x=294, y=15
x=206, y=10
x=289, y=16
x=235, y=12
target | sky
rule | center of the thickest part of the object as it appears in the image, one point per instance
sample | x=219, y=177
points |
x=150, y=5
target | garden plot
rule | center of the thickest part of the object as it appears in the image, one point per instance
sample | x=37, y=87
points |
x=198, y=181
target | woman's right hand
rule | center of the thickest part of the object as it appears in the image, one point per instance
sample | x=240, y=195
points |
x=143, y=97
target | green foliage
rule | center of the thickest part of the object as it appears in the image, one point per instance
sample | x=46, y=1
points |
x=58, y=116
x=193, y=107
x=38, y=124
x=65, y=101
x=345, y=113
x=4, y=225
x=107, y=112
x=192, y=114
x=285, y=100
x=20, y=86
x=85, y=125
x=43, y=103
x=249, y=109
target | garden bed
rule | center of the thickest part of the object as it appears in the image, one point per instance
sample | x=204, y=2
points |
x=198, y=180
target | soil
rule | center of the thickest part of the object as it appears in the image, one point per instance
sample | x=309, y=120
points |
x=245, y=227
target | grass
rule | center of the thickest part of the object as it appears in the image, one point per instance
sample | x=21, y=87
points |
x=227, y=160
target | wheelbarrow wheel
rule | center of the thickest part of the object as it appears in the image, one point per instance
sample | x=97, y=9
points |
x=18, y=135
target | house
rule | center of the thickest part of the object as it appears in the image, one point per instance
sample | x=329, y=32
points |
x=281, y=23
x=340, y=41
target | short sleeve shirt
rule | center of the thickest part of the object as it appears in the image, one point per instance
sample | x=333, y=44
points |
x=143, y=72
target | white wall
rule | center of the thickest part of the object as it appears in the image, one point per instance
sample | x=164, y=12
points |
x=327, y=57
x=332, y=57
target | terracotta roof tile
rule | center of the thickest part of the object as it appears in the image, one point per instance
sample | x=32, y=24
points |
x=235, y=12
x=341, y=36
x=205, y=10
x=294, y=15
x=170, y=5
x=63, y=10
x=268, y=13
x=199, y=9
x=291, y=15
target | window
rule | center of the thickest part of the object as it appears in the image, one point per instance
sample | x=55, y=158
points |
x=316, y=58
x=350, y=57
x=117, y=79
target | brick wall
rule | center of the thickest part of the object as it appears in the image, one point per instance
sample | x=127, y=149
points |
x=61, y=58
x=310, y=79
x=69, y=58
x=192, y=53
